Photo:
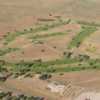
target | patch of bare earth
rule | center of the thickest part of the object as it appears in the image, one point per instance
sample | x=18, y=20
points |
x=33, y=52
x=76, y=83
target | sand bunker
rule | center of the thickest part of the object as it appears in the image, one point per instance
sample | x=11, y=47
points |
x=89, y=96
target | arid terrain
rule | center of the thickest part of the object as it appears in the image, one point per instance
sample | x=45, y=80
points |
x=18, y=14
x=49, y=50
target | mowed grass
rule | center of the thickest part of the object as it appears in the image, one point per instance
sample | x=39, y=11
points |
x=85, y=32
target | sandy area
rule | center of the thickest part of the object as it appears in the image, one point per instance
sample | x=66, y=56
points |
x=88, y=96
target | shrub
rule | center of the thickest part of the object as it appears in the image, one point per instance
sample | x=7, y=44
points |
x=45, y=76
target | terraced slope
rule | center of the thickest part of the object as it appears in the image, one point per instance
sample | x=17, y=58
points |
x=48, y=47
x=49, y=37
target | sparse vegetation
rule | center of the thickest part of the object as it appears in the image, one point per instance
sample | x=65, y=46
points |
x=70, y=63
x=9, y=96
x=7, y=50
x=11, y=36
x=49, y=67
x=49, y=49
x=47, y=35
x=89, y=23
x=84, y=33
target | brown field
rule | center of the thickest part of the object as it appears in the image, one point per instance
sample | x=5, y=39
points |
x=15, y=15
x=51, y=49
x=20, y=19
